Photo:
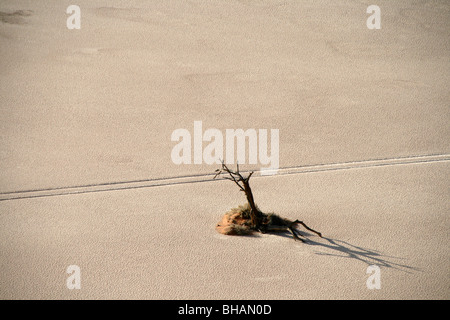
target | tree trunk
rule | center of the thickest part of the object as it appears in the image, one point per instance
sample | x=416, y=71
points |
x=254, y=214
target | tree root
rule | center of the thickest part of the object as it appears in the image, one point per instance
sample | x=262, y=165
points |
x=238, y=222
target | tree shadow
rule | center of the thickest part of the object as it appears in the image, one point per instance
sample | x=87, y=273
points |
x=343, y=249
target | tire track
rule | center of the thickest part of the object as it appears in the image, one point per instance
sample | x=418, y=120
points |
x=198, y=178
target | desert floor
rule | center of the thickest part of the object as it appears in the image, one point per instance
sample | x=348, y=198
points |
x=87, y=178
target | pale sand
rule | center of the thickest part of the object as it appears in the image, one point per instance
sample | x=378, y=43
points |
x=99, y=104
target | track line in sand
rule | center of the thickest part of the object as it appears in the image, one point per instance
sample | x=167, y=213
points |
x=197, y=178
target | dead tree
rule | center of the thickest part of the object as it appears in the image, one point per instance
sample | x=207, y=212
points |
x=248, y=219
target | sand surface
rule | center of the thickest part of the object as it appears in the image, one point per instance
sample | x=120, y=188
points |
x=87, y=179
